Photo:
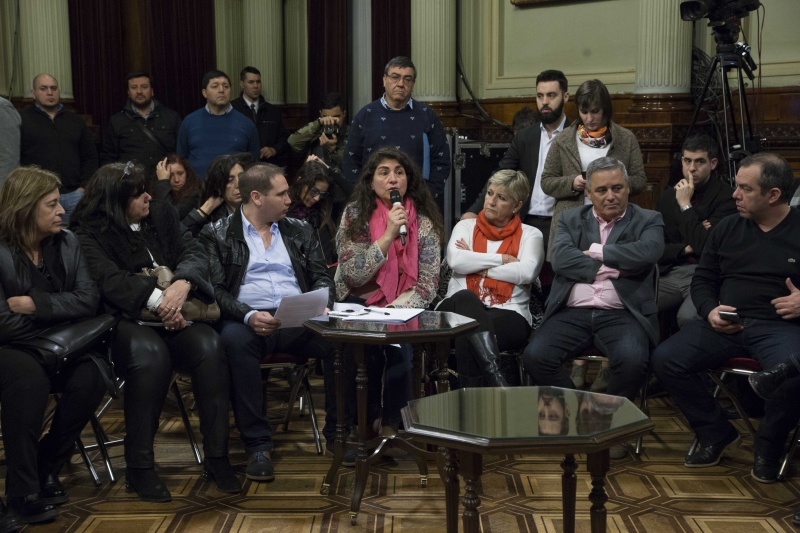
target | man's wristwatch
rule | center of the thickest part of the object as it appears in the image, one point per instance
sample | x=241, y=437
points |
x=686, y=207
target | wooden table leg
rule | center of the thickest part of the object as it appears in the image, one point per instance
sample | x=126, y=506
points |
x=362, y=469
x=442, y=355
x=451, y=488
x=598, y=465
x=339, y=445
x=471, y=466
x=569, y=483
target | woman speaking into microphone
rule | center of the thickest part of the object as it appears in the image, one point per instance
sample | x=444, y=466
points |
x=377, y=269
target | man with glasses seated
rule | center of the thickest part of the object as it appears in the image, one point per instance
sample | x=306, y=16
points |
x=397, y=120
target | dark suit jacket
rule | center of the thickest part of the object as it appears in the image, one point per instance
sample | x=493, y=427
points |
x=270, y=127
x=522, y=154
x=634, y=247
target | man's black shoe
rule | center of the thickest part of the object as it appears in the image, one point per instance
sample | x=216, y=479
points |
x=350, y=454
x=796, y=517
x=53, y=491
x=764, y=470
x=260, y=467
x=766, y=382
x=9, y=522
x=710, y=455
x=31, y=509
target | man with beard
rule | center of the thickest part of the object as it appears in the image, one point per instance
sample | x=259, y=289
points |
x=529, y=148
x=144, y=131
x=217, y=128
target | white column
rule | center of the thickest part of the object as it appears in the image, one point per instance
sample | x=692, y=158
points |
x=433, y=49
x=262, y=29
x=44, y=43
x=361, y=35
x=228, y=34
x=664, y=59
x=296, y=57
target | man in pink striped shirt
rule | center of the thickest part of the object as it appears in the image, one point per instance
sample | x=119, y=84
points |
x=604, y=257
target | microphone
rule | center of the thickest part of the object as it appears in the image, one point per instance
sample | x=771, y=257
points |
x=394, y=196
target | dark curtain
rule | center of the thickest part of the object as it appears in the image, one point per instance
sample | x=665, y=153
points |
x=183, y=49
x=391, y=37
x=97, y=44
x=328, y=63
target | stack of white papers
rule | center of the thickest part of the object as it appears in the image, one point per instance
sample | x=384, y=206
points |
x=360, y=313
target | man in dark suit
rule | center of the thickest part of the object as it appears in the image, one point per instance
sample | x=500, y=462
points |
x=604, y=258
x=267, y=117
x=528, y=151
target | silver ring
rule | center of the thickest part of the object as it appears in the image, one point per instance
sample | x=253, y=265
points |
x=263, y=330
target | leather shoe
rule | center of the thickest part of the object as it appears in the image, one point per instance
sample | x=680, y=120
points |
x=711, y=454
x=147, y=484
x=52, y=491
x=9, y=522
x=350, y=454
x=766, y=382
x=796, y=517
x=764, y=470
x=618, y=451
x=218, y=470
x=260, y=467
x=31, y=509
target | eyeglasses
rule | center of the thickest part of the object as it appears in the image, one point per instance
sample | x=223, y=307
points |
x=397, y=77
x=314, y=192
x=127, y=170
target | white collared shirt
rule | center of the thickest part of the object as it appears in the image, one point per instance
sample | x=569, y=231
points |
x=541, y=203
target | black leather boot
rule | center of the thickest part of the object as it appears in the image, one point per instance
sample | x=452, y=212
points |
x=147, y=484
x=766, y=382
x=9, y=522
x=484, y=346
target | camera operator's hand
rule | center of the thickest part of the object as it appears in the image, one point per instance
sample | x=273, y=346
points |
x=328, y=141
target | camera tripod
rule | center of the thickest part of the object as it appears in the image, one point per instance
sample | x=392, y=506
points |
x=736, y=142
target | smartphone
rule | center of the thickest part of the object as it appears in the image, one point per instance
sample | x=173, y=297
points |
x=730, y=316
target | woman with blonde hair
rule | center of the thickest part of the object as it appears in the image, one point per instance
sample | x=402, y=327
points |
x=44, y=281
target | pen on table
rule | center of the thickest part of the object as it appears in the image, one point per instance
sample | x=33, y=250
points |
x=376, y=311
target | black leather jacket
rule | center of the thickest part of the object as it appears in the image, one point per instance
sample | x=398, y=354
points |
x=78, y=300
x=228, y=257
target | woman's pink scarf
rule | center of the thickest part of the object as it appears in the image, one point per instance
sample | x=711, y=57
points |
x=399, y=272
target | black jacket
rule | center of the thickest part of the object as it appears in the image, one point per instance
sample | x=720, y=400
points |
x=63, y=144
x=228, y=256
x=270, y=127
x=78, y=300
x=124, y=140
x=115, y=257
x=682, y=228
x=522, y=154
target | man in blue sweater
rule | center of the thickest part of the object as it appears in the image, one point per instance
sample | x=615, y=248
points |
x=400, y=121
x=217, y=128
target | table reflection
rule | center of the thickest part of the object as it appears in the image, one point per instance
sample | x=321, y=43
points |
x=508, y=413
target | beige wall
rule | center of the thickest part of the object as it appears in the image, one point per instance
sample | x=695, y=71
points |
x=504, y=46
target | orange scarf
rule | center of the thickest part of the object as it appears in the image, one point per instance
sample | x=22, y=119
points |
x=497, y=292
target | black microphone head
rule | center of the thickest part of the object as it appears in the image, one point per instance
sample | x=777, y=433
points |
x=394, y=196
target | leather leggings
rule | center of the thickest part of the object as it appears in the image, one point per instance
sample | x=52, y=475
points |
x=146, y=357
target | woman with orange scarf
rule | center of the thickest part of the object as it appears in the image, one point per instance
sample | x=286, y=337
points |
x=381, y=267
x=494, y=258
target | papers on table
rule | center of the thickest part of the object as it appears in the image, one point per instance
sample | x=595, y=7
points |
x=360, y=313
x=294, y=310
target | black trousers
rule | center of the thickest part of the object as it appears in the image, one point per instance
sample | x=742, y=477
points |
x=146, y=357
x=24, y=392
x=509, y=327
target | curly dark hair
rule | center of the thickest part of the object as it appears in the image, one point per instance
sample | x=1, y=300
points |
x=363, y=197
x=217, y=176
x=310, y=173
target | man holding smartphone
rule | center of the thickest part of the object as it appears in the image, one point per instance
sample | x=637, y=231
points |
x=750, y=266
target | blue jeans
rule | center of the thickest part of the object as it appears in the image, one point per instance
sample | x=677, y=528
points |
x=245, y=350
x=566, y=334
x=68, y=201
x=680, y=361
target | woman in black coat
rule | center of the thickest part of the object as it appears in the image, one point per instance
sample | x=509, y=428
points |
x=44, y=282
x=121, y=232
